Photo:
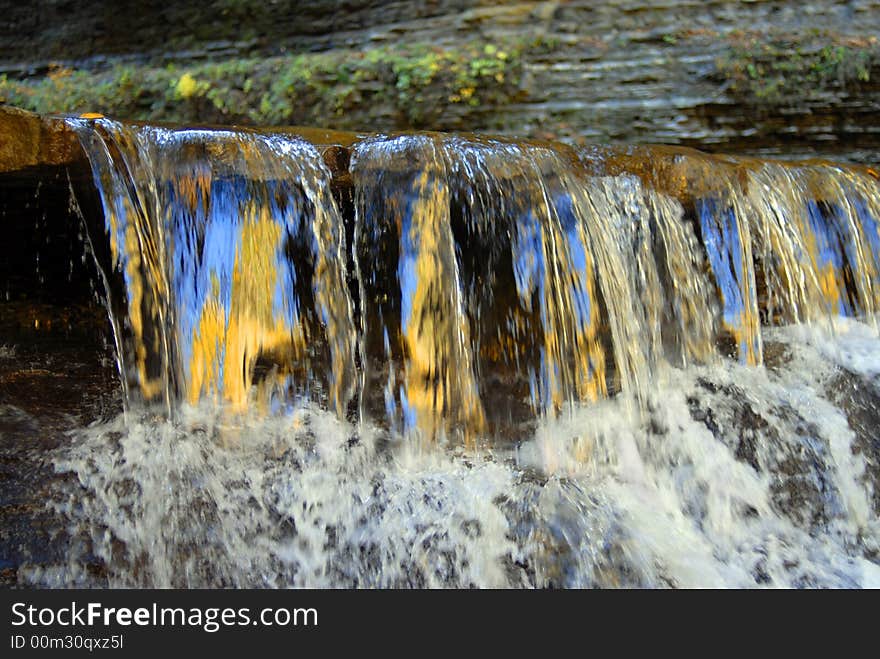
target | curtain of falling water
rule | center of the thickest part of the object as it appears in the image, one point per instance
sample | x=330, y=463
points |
x=231, y=251
x=411, y=287
x=496, y=280
x=500, y=272
x=818, y=241
x=782, y=242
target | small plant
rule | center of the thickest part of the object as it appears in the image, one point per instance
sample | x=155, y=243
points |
x=188, y=87
x=783, y=73
x=412, y=86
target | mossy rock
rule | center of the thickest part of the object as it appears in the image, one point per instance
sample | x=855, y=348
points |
x=416, y=86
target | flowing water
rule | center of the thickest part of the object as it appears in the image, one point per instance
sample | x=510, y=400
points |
x=465, y=361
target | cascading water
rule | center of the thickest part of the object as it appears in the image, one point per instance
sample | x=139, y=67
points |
x=230, y=249
x=463, y=361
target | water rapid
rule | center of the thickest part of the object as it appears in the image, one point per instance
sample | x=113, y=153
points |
x=462, y=361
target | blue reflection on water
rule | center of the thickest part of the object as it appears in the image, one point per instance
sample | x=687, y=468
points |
x=119, y=211
x=725, y=251
x=577, y=255
x=825, y=220
x=206, y=242
x=528, y=263
x=870, y=224
x=871, y=229
x=530, y=274
x=407, y=271
x=724, y=248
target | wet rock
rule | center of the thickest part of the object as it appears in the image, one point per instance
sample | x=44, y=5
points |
x=859, y=397
x=724, y=75
x=781, y=444
x=27, y=140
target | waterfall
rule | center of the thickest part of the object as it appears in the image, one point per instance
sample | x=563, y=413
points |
x=231, y=250
x=434, y=360
x=475, y=267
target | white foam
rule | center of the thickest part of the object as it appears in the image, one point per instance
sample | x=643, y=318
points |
x=603, y=495
x=851, y=343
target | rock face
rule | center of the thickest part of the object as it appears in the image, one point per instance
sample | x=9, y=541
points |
x=65, y=30
x=27, y=140
x=764, y=77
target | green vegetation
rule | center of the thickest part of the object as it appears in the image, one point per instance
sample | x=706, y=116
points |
x=410, y=87
x=423, y=86
x=780, y=73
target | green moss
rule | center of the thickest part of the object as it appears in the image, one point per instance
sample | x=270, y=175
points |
x=384, y=88
x=781, y=73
